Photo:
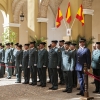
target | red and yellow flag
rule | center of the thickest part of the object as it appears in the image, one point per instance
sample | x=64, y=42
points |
x=80, y=15
x=59, y=18
x=68, y=14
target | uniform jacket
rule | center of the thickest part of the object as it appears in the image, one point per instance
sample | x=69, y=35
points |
x=68, y=61
x=33, y=57
x=25, y=58
x=83, y=56
x=14, y=54
x=2, y=55
x=8, y=56
x=42, y=58
x=95, y=63
x=18, y=58
x=54, y=58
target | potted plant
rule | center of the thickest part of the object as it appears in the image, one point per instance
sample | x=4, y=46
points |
x=8, y=36
x=38, y=41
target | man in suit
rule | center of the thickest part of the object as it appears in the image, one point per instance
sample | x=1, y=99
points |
x=25, y=64
x=61, y=48
x=18, y=62
x=74, y=51
x=54, y=63
x=42, y=63
x=83, y=56
x=68, y=67
x=33, y=58
x=2, y=55
x=12, y=60
x=96, y=66
x=7, y=60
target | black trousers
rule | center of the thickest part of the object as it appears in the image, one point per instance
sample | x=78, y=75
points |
x=2, y=69
x=60, y=72
x=42, y=73
x=96, y=72
x=13, y=68
x=33, y=70
x=68, y=79
x=74, y=78
x=54, y=77
x=38, y=73
x=26, y=74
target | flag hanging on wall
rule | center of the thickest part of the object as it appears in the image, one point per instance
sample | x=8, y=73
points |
x=68, y=14
x=80, y=15
x=59, y=18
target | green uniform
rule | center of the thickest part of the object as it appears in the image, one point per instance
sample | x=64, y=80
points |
x=18, y=62
x=42, y=65
x=7, y=62
x=33, y=57
x=96, y=67
x=54, y=61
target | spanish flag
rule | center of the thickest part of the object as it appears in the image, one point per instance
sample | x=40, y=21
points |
x=80, y=15
x=59, y=18
x=68, y=14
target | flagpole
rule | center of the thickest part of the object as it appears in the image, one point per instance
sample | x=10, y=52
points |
x=73, y=23
x=65, y=23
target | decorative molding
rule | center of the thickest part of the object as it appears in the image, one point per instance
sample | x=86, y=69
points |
x=42, y=20
x=88, y=11
x=11, y=25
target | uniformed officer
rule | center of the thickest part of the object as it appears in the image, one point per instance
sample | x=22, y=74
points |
x=96, y=66
x=7, y=60
x=83, y=56
x=18, y=62
x=68, y=67
x=54, y=63
x=14, y=55
x=12, y=60
x=25, y=64
x=2, y=55
x=61, y=47
x=74, y=51
x=33, y=57
x=49, y=47
x=42, y=63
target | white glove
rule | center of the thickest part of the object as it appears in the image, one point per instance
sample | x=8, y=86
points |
x=58, y=67
x=44, y=66
x=28, y=66
x=35, y=64
x=20, y=65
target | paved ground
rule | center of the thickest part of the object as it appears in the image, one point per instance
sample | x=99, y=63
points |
x=11, y=91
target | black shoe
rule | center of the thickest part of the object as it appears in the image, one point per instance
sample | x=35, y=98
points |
x=30, y=83
x=34, y=84
x=78, y=88
x=51, y=88
x=65, y=90
x=79, y=93
x=96, y=91
x=69, y=91
x=99, y=92
x=54, y=88
x=39, y=85
x=25, y=83
x=92, y=82
x=9, y=78
x=43, y=86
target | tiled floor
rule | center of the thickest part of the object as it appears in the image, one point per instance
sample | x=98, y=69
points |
x=11, y=91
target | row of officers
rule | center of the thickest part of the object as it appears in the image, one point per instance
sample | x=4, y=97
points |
x=66, y=62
